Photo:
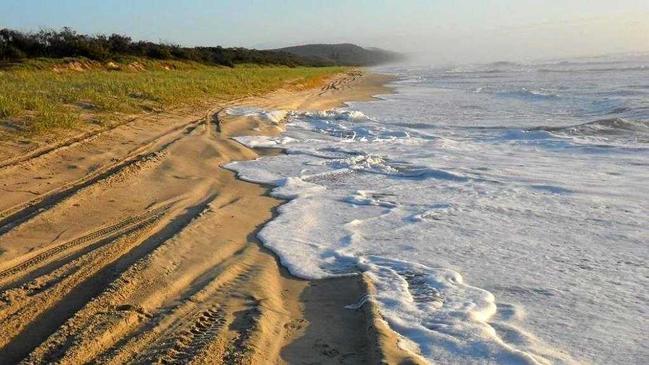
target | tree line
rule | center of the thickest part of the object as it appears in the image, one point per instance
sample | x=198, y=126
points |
x=16, y=46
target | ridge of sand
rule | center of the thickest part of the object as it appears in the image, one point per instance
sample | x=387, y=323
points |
x=134, y=246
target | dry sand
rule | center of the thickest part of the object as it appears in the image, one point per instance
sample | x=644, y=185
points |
x=134, y=246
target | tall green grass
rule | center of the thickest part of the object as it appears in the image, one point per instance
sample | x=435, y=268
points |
x=38, y=99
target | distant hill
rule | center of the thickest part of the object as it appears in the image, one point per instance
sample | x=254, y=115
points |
x=344, y=54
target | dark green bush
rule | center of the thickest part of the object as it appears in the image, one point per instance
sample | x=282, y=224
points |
x=15, y=45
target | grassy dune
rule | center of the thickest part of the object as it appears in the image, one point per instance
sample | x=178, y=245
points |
x=43, y=95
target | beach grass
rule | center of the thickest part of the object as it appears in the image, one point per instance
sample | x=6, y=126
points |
x=45, y=95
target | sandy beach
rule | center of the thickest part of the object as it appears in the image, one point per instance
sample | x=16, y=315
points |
x=134, y=245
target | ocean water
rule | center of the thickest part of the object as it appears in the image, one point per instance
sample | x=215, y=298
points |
x=500, y=210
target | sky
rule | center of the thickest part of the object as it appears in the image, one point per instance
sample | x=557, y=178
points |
x=431, y=31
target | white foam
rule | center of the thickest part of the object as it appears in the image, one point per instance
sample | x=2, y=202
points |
x=276, y=116
x=264, y=141
x=347, y=115
x=273, y=116
x=442, y=316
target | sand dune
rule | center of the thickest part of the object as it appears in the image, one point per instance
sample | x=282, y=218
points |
x=134, y=246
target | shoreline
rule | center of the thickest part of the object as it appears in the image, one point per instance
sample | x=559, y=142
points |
x=130, y=245
x=332, y=328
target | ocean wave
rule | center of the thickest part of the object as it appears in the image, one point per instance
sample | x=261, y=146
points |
x=602, y=127
x=622, y=93
x=597, y=69
x=494, y=67
x=522, y=93
x=524, y=135
x=619, y=110
x=505, y=64
x=273, y=116
x=347, y=115
x=381, y=165
x=530, y=94
x=346, y=125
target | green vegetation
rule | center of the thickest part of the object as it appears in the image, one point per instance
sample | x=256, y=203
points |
x=17, y=46
x=44, y=95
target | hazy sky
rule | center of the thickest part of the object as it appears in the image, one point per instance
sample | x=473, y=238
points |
x=438, y=30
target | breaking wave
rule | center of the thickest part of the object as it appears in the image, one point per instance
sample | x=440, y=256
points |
x=605, y=128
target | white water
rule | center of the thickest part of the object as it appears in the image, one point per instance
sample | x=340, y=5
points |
x=500, y=210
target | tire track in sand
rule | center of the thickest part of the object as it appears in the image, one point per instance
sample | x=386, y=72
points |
x=39, y=152
x=199, y=324
x=14, y=216
x=102, y=235
x=125, y=334
x=33, y=311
